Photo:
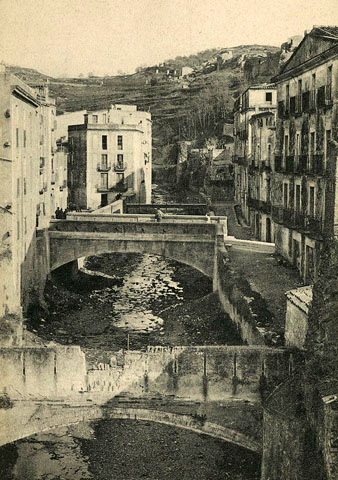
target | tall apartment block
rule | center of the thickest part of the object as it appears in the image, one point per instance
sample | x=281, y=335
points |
x=254, y=113
x=110, y=157
x=305, y=202
x=27, y=191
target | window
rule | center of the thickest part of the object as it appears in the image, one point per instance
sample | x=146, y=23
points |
x=311, y=209
x=327, y=146
x=297, y=198
x=104, y=180
x=313, y=81
x=268, y=190
x=104, y=160
x=299, y=87
x=120, y=159
x=329, y=75
x=286, y=145
x=287, y=96
x=24, y=139
x=17, y=230
x=104, y=118
x=24, y=186
x=269, y=153
x=268, y=97
x=17, y=137
x=297, y=145
x=104, y=142
x=285, y=195
x=18, y=186
x=119, y=142
x=25, y=224
x=95, y=118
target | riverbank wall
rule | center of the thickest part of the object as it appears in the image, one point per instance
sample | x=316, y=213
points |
x=245, y=307
x=42, y=372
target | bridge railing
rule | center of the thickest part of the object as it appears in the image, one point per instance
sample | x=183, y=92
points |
x=137, y=228
x=145, y=217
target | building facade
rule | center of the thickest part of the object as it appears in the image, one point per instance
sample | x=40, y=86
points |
x=110, y=157
x=26, y=165
x=261, y=174
x=255, y=100
x=305, y=208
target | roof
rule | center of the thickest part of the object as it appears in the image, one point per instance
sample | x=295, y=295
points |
x=329, y=37
x=267, y=113
x=325, y=31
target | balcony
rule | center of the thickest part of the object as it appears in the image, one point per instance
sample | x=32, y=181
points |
x=306, y=101
x=120, y=167
x=328, y=95
x=313, y=101
x=313, y=225
x=302, y=164
x=281, y=109
x=290, y=164
x=265, y=165
x=278, y=163
x=103, y=167
x=321, y=97
x=292, y=105
x=253, y=168
x=296, y=220
x=299, y=104
x=240, y=160
x=260, y=205
x=277, y=214
x=120, y=187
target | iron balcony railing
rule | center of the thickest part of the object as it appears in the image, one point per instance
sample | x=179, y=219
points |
x=289, y=163
x=261, y=205
x=103, y=167
x=297, y=220
x=119, y=187
x=120, y=166
x=278, y=163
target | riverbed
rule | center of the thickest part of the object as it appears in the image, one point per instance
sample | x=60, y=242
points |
x=141, y=300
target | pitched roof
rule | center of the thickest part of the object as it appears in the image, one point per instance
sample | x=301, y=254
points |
x=303, y=54
x=326, y=32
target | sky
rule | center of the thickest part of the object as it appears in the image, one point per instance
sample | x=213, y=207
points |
x=104, y=37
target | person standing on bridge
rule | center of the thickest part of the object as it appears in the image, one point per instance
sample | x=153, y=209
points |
x=158, y=215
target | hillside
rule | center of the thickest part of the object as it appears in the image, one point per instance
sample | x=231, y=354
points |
x=194, y=108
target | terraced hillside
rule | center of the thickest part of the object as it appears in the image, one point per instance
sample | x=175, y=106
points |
x=195, y=108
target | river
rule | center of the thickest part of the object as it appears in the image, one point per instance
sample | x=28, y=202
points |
x=135, y=301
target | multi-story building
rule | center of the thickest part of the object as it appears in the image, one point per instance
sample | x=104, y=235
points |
x=254, y=100
x=260, y=174
x=305, y=204
x=26, y=132
x=110, y=157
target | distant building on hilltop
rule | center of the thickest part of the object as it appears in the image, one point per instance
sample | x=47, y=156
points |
x=110, y=156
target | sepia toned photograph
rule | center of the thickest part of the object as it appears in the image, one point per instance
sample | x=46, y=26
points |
x=168, y=240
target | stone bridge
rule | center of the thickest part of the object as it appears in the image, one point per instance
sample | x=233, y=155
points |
x=214, y=390
x=187, y=239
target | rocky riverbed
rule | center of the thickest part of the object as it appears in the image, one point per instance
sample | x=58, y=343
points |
x=149, y=299
x=126, y=450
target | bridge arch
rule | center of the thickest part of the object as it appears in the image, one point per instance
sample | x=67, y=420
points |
x=197, y=254
x=50, y=416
